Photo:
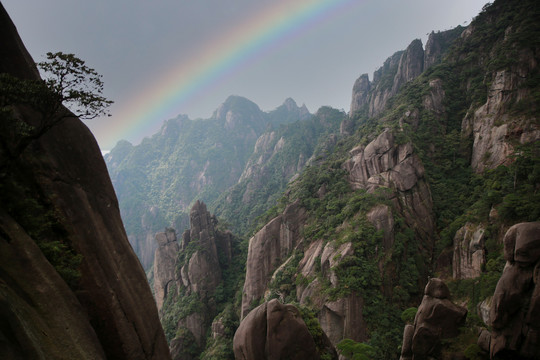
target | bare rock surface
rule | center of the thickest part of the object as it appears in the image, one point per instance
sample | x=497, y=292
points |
x=437, y=318
x=199, y=275
x=385, y=163
x=469, y=252
x=515, y=306
x=164, y=264
x=360, y=93
x=492, y=126
x=274, y=331
x=270, y=245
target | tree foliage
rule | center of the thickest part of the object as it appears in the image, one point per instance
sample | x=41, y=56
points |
x=70, y=88
x=74, y=85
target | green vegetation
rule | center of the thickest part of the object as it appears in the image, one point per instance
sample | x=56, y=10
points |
x=408, y=315
x=389, y=276
x=354, y=350
x=314, y=327
x=68, y=83
x=245, y=202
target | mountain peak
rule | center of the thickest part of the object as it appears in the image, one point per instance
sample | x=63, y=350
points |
x=236, y=104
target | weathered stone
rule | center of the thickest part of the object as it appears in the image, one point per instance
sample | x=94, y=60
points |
x=508, y=297
x=437, y=318
x=406, y=347
x=360, y=93
x=202, y=273
x=437, y=288
x=491, y=126
x=484, y=340
x=382, y=218
x=164, y=264
x=267, y=249
x=484, y=309
x=469, y=252
x=522, y=243
x=411, y=65
x=274, y=331
x=343, y=319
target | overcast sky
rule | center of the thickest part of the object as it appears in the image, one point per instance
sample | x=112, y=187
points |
x=135, y=43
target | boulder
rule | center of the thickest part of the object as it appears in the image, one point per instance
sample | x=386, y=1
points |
x=522, y=243
x=515, y=306
x=437, y=319
x=274, y=331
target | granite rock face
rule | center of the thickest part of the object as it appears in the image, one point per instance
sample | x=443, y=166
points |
x=112, y=313
x=267, y=249
x=437, y=319
x=341, y=318
x=492, y=126
x=275, y=331
x=469, y=252
x=360, y=93
x=198, y=275
x=515, y=306
x=384, y=162
x=399, y=69
x=164, y=264
x=202, y=273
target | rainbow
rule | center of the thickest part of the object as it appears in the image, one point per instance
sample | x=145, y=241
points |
x=217, y=59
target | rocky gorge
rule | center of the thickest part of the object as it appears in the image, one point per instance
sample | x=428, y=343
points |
x=408, y=228
x=387, y=218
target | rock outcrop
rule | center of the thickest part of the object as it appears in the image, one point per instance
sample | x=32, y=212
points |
x=109, y=311
x=195, y=269
x=267, y=249
x=276, y=331
x=164, y=264
x=411, y=65
x=201, y=273
x=383, y=162
x=341, y=318
x=438, y=43
x=437, y=319
x=360, y=93
x=469, y=252
x=383, y=80
x=399, y=69
x=495, y=131
x=515, y=306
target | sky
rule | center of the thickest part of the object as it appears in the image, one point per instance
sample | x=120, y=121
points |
x=163, y=58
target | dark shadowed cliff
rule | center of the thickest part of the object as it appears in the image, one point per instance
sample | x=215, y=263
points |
x=71, y=286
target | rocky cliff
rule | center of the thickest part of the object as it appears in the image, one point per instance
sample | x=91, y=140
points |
x=186, y=276
x=164, y=265
x=72, y=286
x=267, y=249
x=411, y=190
x=398, y=70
